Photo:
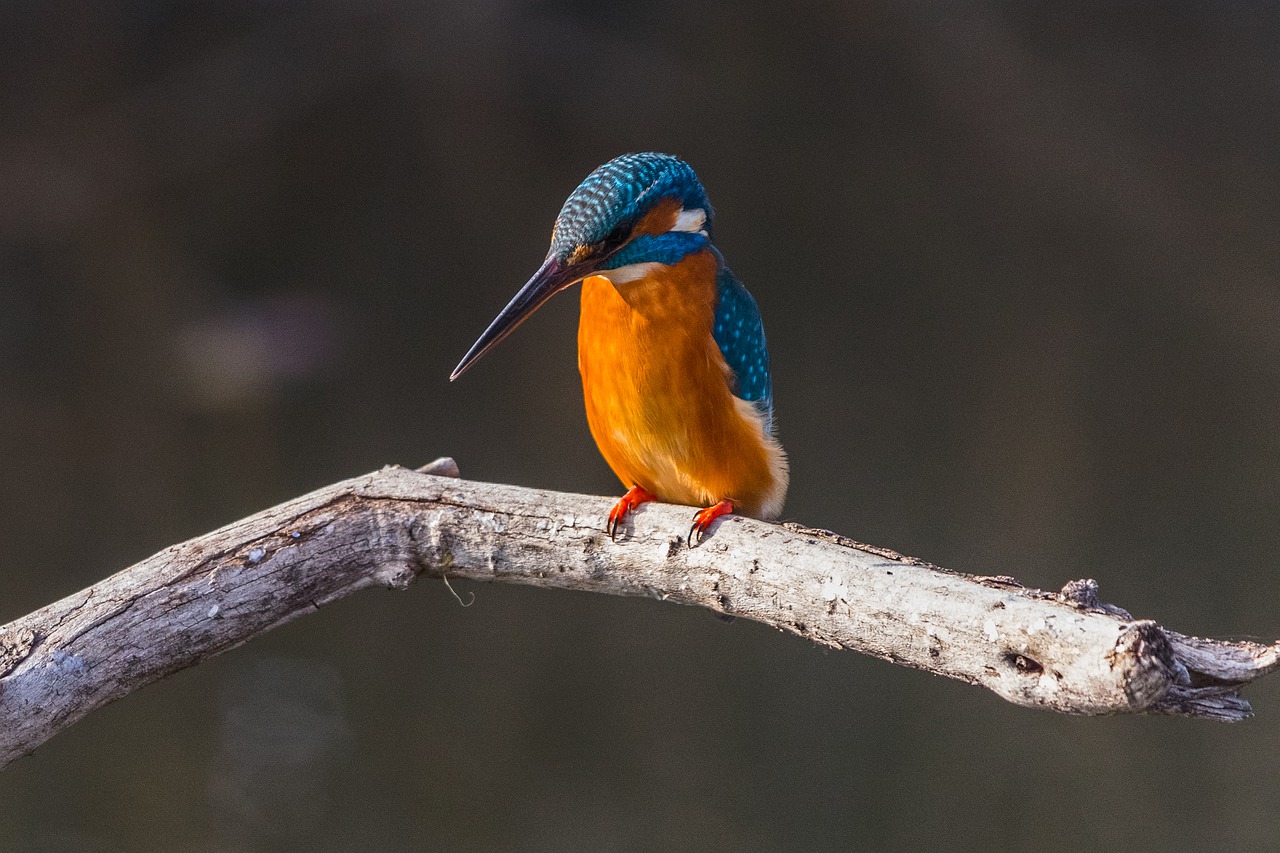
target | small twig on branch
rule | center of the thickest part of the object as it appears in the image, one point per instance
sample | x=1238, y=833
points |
x=1064, y=652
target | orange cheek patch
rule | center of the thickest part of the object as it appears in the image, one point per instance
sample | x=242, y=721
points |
x=660, y=219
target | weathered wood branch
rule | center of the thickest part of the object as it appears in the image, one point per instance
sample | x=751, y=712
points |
x=1064, y=652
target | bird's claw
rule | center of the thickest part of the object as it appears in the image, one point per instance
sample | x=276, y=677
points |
x=702, y=520
x=632, y=499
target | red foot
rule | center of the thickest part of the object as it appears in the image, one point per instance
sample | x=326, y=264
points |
x=632, y=499
x=702, y=519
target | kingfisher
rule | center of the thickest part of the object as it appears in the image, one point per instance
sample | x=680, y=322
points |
x=671, y=348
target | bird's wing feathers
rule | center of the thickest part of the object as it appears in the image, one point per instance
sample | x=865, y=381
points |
x=739, y=333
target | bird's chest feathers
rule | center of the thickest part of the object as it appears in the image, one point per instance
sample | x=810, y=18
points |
x=658, y=393
x=651, y=370
x=652, y=335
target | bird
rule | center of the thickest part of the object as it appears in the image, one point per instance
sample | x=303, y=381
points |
x=671, y=346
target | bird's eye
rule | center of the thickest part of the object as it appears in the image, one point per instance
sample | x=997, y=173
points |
x=617, y=237
x=602, y=248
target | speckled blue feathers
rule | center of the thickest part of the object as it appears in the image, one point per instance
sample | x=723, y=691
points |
x=606, y=205
x=739, y=333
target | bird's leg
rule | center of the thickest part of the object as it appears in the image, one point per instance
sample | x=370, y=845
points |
x=702, y=519
x=635, y=496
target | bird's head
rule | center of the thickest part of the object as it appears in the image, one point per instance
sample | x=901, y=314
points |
x=634, y=211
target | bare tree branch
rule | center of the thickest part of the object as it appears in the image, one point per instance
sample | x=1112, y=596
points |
x=1065, y=652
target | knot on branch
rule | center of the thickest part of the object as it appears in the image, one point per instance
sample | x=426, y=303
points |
x=1083, y=595
x=15, y=646
x=1145, y=656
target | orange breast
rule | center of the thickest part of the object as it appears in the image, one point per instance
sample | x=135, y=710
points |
x=657, y=393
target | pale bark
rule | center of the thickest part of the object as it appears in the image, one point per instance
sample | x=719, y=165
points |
x=1064, y=652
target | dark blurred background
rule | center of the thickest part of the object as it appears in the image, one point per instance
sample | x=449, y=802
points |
x=1018, y=265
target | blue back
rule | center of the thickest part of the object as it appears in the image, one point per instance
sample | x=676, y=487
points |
x=739, y=333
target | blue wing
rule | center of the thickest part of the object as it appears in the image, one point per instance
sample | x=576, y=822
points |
x=739, y=333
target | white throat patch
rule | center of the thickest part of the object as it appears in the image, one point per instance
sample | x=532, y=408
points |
x=631, y=272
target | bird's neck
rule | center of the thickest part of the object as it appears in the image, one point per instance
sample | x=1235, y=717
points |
x=654, y=292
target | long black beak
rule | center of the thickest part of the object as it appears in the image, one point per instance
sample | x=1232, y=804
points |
x=552, y=277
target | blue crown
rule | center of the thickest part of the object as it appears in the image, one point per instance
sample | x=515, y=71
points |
x=606, y=206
